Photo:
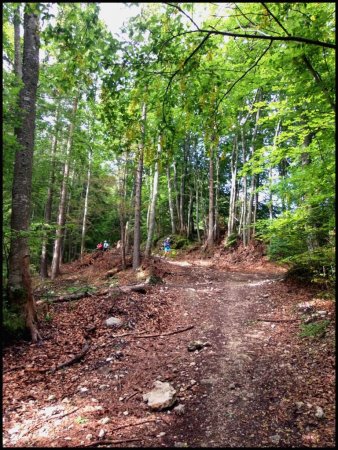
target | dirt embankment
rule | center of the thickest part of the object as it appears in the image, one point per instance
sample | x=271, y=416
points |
x=256, y=383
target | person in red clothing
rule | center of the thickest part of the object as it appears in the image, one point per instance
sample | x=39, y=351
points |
x=99, y=246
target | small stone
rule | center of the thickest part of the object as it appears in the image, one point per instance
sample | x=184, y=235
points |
x=319, y=412
x=125, y=413
x=104, y=420
x=89, y=437
x=102, y=433
x=179, y=409
x=180, y=444
x=114, y=322
x=232, y=386
x=51, y=397
x=161, y=434
x=83, y=389
x=275, y=439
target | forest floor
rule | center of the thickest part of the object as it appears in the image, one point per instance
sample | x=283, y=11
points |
x=256, y=382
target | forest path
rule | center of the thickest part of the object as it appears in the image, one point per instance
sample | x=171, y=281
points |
x=240, y=391
x=234, y=405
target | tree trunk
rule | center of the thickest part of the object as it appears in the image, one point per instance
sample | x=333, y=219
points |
x=197, y=211
x=138, y=192
x=49, y=202
x=277, y=131
x=176, y=191
x=153, y=202
x=17, y=47
x=171, y=205
x=249, y=217
x=233, y=193
x=62, y=206
x=19, y=281
x=190, y=218
x=85, y=208
x=216, y=224
x=210, y=239
x=244, y=205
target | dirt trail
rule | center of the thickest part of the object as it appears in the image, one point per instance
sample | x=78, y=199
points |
x=240, y=391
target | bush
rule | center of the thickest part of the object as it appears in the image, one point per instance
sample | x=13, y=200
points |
x=13, y=324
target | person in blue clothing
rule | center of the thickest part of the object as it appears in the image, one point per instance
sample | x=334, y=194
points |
x=105, y=246
x=166, y=246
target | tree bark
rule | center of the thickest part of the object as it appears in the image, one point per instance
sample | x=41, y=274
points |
x=19, y=280
x=62, y=206
x=85, y=208
x=138, y=192
x=49, y=202
x=171, y=205
x=244, y=204
x=153, y=201
x=17, y=47
x=210, y=239
x=233, y=194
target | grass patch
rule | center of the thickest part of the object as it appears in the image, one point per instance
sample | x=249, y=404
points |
x=314, y=330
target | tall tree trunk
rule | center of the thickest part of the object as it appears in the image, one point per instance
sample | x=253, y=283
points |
x=171, y=205
x=197, y=211
x=49, y=201
x=249, y=216
x=153, y=201
x=85, y=208
x=17, y=47
x=216, y=224
x=277, y=131
x=233, y=193
x=182, y=189
x=190, y=217
x=210, y=239
x=62, y=206
x=19, y=280
x=176, y=191
x=138, y=191
x=244, y=205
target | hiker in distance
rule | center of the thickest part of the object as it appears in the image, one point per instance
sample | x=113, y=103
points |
x=166, y=246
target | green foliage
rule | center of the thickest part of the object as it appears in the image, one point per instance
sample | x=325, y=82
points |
x=231, y=241
x=13, y=323
x=314, y=330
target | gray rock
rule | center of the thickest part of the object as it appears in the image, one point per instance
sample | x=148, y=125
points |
x=319, y=412
x=179, y=409
x=197, y=345
x=161, y=397
x=114, y=322
x=275, y=439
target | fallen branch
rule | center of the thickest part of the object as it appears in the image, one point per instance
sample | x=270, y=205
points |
x=73, y=360
x=108, y=442
x=133, y=424
x=165, y=334
x=277, y=320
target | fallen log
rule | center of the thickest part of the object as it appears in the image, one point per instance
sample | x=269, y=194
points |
x=66, y=298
